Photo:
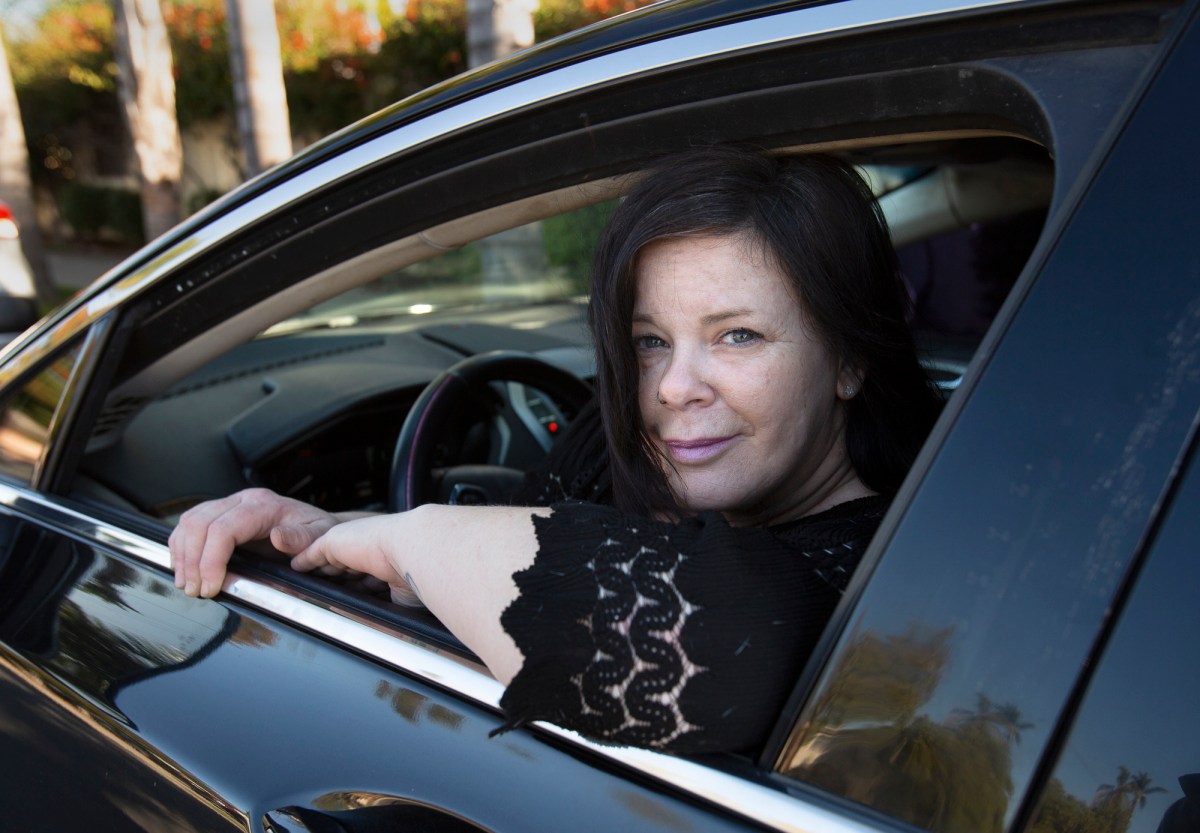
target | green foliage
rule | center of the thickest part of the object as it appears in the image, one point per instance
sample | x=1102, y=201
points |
x=570, y=241
x=866, y=741
x=875, y=748
x=427, y=45
x=65, y=78
x=1060, y=812
x=339, y=66
x=200, y=51
x=95, y=212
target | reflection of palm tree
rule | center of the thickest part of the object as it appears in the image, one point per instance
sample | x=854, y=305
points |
x=1003, y=720
x=1009, y=723
x=1130, y=790
x=1112, y=792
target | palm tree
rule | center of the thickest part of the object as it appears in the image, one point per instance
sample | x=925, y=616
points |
x=1139, y=788
x=1004, y=721
x=258, y=91
x=1130, y=790
x=147, y=84
x=498, y=28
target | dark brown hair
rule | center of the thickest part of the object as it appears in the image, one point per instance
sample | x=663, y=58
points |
x=818, y=221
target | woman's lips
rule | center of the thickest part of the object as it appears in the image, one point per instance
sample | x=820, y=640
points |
x=698, y=451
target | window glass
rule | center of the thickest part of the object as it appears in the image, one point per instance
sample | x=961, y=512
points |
x=1131, y=763
x=28, y=414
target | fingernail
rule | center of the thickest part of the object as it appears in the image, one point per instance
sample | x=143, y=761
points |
x=190, y=588
x=204, y=588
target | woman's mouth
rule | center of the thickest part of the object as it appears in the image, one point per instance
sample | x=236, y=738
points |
x=697, y=451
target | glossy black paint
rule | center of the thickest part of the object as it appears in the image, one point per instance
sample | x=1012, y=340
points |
x=266, y=717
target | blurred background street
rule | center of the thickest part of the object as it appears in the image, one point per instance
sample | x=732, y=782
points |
x=120, y=118
x=73, y=269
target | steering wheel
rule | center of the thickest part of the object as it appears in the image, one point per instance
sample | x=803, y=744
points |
x=412, y=481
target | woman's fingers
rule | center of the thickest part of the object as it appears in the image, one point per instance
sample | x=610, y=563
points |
x=206, y=536
x=359, y=546
x=292, y=539
x=322, y=554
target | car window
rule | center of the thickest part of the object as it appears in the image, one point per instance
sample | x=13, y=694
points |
x=546, y=261
x=313, y=406
x=1131, y=762
x=27, y=417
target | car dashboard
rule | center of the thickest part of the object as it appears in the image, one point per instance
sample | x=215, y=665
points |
x=315, y=414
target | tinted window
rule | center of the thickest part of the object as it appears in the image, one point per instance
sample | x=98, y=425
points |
x=1135, y=748
x=28, y=415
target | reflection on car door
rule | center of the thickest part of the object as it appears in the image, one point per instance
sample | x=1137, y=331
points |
x=75, y=627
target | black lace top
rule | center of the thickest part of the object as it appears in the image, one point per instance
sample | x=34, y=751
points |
x=681, y=637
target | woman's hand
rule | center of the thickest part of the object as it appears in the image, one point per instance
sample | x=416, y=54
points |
x=206, y=536
x=369, y=546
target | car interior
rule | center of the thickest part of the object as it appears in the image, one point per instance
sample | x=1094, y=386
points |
x=306, y=391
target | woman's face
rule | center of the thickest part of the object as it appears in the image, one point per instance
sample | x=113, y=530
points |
x=737, y=393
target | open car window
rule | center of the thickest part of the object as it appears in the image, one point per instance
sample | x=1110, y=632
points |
x=311, y=405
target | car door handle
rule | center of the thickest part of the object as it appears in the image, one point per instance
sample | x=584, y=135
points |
x=384, y=818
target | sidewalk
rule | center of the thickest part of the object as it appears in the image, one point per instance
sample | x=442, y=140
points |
x=74, y=269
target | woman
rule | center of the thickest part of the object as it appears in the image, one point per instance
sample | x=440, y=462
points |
x=759, y=398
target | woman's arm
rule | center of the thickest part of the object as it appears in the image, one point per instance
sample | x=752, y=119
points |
x=459, y=560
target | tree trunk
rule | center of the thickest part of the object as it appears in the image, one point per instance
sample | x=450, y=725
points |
x=496, y=29
x=147, y=84
x=258, y=91
x=16, y=189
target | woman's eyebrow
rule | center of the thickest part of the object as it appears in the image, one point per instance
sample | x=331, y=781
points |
x=707, y=320
x=725, y=315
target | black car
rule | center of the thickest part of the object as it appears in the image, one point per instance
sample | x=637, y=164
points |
x=1017, y=651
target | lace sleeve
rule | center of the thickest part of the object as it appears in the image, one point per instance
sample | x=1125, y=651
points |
x=685, y=638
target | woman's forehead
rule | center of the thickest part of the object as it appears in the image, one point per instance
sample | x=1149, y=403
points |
x=701, y=271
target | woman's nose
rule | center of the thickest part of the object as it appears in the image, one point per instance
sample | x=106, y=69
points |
x=683, y=380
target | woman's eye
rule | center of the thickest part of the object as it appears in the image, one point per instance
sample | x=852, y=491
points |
x=741, y=336
x=648, y=342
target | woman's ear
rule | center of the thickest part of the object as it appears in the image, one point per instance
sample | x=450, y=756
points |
x=849, y=382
